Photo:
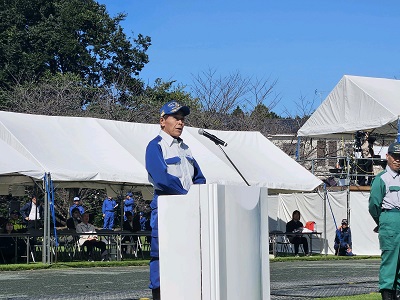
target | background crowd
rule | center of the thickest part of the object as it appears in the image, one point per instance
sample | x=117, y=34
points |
x=29, y=218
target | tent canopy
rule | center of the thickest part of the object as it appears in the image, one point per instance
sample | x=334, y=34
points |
x=85, y=152
x=357, y=103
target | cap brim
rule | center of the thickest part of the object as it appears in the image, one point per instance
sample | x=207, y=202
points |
x=185, y=110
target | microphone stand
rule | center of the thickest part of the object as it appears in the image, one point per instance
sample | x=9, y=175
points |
x=233, y=164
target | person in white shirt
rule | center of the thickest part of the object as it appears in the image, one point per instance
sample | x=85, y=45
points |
x=32, y=213
x=90, y=240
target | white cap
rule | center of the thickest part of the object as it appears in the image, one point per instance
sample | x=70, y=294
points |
x=76, y=199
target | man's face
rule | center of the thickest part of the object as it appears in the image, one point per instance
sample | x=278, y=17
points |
x=34, y=200
x=85, y=218
x=14, y=216
x=296, y=216
x=393, y=161
x=173, y=124
x=76, y=214
x=9, y=227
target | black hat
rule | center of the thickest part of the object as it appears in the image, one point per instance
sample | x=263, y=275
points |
x=344, y=221
x=394, y=148
x=14, y=212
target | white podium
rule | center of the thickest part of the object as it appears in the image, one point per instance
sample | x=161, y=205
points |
x=214, y=244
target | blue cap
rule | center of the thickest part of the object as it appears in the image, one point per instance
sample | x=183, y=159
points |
x=129, y=194
x=173, y=107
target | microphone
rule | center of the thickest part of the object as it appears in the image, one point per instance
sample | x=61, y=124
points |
x=212, y=137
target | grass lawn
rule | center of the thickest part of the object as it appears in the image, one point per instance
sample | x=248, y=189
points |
x=74, y=264
x=145, y=262
x=372, y=296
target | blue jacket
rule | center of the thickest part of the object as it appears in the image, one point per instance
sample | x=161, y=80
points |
x=26, y=209
x=143, y=221
x=159, y=169
x=129, y=204
x=343, y=237
x=80, y=207
x=108, y=205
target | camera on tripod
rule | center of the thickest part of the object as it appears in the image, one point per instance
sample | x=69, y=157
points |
x=359, y=139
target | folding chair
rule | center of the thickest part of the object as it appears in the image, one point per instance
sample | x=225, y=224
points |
x=133, y=245
x=281, y=242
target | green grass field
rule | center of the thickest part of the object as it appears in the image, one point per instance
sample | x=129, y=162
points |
x=145, y=262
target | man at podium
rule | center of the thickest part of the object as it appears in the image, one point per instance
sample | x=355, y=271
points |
x=172, y=170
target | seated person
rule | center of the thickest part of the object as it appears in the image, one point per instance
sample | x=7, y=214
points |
x=16, y=220
x=9, y=244
x=75, y=219
x=343, y=240
x=296, y=226
x=91, y=240
x=132, y=224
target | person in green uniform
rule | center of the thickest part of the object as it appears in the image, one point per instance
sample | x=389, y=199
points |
x=384, y=207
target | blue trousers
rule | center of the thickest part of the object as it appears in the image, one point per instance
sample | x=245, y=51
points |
x=108, y=220
x=154, y=253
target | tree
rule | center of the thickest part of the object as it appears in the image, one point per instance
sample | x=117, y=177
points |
x=143, y=107
x=233, y=102
x=54, y=95
x=60, y=36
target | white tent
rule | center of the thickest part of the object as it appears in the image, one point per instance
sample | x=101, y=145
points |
x=311, y=206
x=357, y=103
x=78, y=151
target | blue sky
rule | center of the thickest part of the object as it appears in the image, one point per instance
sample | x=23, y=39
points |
x=306, y=45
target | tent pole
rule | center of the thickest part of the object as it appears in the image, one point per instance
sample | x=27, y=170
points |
x=298, y=148
x=45, y=217
x=46, y=247
x=398, y=129
x=325, y=237
x=348, y=204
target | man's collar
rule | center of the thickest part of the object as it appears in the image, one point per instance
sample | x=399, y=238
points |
x=169, y=139
x=391, y=172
